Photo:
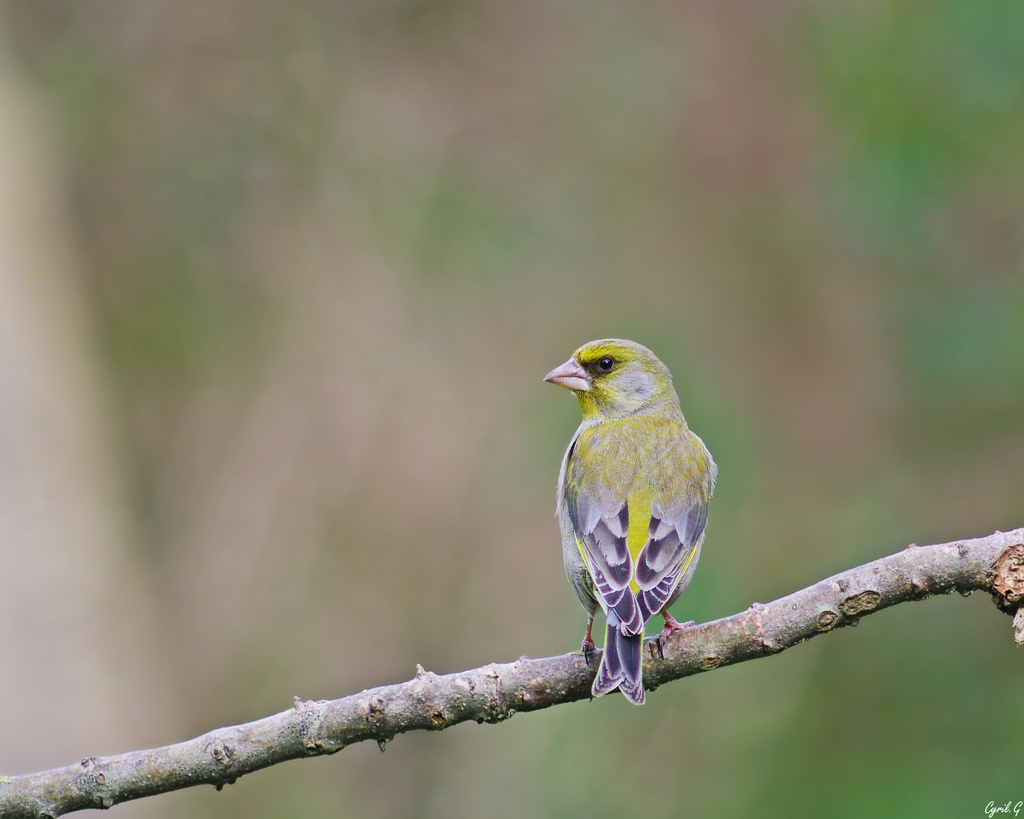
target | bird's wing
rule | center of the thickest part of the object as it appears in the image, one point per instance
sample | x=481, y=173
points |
x=673, y=538
x=599, y=514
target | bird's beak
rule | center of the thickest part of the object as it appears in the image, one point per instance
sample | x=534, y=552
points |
x=571, y=376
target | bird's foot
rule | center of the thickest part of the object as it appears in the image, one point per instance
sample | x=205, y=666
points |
x=588, y=642
x=586, y=647
x=671, y=625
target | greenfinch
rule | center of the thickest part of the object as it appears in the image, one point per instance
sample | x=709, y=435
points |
x=633, y=495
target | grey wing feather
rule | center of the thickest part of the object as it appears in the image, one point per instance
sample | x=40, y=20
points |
x=669, y=551
x=602, y=531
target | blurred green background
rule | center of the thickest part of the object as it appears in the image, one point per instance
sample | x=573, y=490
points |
x=278, y=286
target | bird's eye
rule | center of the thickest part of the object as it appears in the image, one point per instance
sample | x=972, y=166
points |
x=606, y=363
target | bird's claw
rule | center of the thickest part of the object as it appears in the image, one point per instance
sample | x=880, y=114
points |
x=586, y=647
x=671, y=626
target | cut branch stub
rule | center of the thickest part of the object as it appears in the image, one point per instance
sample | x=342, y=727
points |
x=1008, y=583
x=1008, y=587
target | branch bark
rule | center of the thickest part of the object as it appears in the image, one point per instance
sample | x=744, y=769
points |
x=495, y=692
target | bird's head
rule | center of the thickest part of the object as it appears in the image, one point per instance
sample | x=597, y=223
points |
x=613, y=378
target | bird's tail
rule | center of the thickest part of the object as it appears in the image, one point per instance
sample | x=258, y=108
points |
x=621, y=664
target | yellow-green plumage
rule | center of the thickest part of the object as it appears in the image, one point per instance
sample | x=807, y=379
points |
x=633, y=494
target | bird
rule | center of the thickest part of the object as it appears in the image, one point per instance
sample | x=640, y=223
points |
x=632, y=501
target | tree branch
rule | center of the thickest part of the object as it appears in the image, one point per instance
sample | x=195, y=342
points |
x=495, y=692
